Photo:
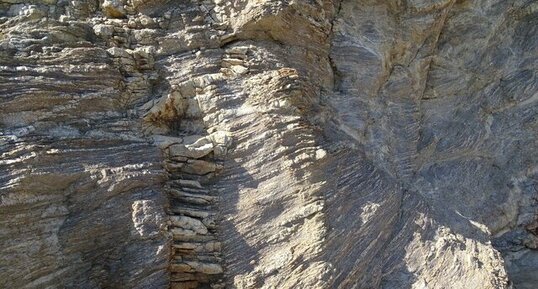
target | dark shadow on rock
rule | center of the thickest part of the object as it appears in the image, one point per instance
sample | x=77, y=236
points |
x=238, y=255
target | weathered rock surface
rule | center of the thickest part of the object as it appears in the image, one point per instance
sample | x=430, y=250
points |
x=268, y=144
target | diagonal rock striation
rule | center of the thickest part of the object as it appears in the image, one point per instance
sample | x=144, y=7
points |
x=268, y=144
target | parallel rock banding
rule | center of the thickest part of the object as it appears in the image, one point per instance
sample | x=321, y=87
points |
x=268, y=144
x=191, y=162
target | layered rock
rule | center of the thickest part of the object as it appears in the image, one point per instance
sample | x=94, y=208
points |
x=268, y=144
x=191, y=162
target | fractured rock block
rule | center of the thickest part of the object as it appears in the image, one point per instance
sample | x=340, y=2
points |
x=207, y=268
x=113, y=8
x=189, y=223
x=196, y=150
x=199, y=167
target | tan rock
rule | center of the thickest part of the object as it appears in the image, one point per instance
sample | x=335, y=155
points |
x=425, y=111
x=113, y=8
x=196, y=150
x=189, y=223
x=199, y=167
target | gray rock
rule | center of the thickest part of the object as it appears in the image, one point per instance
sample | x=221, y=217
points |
x=268, y=144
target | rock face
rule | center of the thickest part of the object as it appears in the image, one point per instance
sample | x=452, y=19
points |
x=268, y=144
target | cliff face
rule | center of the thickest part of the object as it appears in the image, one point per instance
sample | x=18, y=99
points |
x=268, y=144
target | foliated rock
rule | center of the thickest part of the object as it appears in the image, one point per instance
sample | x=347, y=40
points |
x=268, y=144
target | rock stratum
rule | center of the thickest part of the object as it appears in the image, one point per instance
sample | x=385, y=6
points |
x=268, y=144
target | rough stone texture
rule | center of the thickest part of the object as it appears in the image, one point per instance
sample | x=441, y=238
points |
x=268, y=144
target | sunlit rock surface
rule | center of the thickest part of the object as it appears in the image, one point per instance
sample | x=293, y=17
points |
x=268, y=144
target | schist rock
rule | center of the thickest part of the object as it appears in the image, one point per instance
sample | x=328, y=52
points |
x=268, y=144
